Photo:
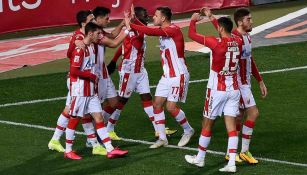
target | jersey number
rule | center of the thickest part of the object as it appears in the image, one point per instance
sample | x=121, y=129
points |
x=233, y=57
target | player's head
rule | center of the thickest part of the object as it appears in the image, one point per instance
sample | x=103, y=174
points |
x=243, y=19
x=93, y=31
x=162, y=14
x=225, y=25
x=102, y=16
x=83, y=17
x=141, y=14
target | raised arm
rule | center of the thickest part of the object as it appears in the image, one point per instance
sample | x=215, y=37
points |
x=149, y=31
x=206, y=11
x=115, y=32
x=208, y=41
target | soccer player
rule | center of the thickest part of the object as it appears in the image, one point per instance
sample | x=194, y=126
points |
x=106, y=88
x=173, y=85
x=133, y=75
x=83, y=88
x=83, y=17
x=247, y=67
x=243, y=20
x=223, y=93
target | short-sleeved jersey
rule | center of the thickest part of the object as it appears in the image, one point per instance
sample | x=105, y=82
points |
x=85, y=61
x=77, y=35
x=133, y=51
x=224, y=62
x=247, y=63
x=172, y=52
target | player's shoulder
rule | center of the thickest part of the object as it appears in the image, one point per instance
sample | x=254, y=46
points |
x=78, y=51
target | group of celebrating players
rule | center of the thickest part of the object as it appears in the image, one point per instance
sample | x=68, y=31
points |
x=92, y=97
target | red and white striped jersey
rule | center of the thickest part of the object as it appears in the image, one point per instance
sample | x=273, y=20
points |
x=85, y=61
x=133, y=51
x=247, y=65
x=224, y=62
x=77, y=35
x=101, y=68
x=172, y=52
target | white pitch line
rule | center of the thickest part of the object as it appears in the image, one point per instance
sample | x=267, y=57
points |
x=149, y=143
x=154, y=86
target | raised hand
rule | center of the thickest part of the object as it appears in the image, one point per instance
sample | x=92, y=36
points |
x=206, y=11
x=132, y=11
x=127, y=19
x=196, y=17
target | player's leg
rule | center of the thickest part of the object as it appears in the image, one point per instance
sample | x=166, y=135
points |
x=77, y=110
x=89, y=129
x=247, y=131
x=159, y=117
x=204, y=141
x=230, y=110
x=180, y=117
x=248, y=126
x=239, y=120
x=148, y=108
x=96, y=111
x=54, y=143
x=230, y=123
x=178, y=93
x=142, y=87
x=162, y=92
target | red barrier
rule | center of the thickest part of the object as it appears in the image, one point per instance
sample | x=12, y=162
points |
x=16, y=15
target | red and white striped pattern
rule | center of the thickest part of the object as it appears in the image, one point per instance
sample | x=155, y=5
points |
x=172, y=53
x=85, y=60
x=133, y=51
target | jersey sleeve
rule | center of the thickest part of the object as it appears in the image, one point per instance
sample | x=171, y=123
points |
x=209, y=41
x=77, y=58
x=215, y=23
x=255, y=71
x=149, y=30
x=117, y=54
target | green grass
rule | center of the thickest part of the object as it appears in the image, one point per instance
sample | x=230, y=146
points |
x=261, y=14
x=280, y=131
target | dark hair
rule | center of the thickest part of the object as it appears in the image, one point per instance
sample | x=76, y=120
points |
x=91, y=27
x=82, y=16
x=139, y=11
x=240, y=13
x=226, y=23
x=166, y=11
x=101, y=11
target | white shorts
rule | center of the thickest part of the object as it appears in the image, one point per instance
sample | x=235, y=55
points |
x=247, y=98
x=174, y=89
x=84, y=105
x=68, y=98
x=129, y=82
x=219, y=102
x=106, y=89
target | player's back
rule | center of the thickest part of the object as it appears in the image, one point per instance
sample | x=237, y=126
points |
x=172, y=52
x=224, y=64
